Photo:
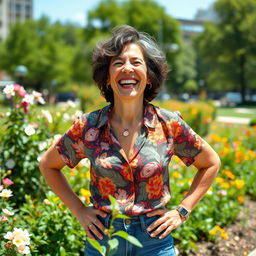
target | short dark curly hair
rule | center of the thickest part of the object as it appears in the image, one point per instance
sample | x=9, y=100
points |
x=157, y=67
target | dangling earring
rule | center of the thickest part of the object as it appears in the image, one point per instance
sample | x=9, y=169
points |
x=149, y=86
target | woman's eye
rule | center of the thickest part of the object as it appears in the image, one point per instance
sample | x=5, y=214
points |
x=136, y=63
x=117, y=63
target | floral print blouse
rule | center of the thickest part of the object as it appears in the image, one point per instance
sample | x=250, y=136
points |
x=141, y=183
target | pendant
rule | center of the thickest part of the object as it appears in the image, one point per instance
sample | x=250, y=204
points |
x=126, y=133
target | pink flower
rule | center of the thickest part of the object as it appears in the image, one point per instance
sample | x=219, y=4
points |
x=1, y=187
x=7, y=182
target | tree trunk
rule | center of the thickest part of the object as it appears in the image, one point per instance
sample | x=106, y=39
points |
x=243, y=85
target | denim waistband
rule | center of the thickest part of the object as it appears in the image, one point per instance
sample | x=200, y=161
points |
x=132, y=220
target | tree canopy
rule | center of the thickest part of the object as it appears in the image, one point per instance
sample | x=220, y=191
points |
x=228, y=47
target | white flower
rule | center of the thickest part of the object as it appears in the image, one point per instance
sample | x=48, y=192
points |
x=6, y=193
x=9, y=91
x=9, y=235
x=71, y=104
x=46, y=201
x=23, y=250
x=7, y=212
x=56, y=137
x=77, y=114
x=66, y=117
x=30, y=130
x=7, y=114
x=10, y=163
x=42, y=145
x=47, y=115
x=29, y=98
x=21, y=237
x=38, y=97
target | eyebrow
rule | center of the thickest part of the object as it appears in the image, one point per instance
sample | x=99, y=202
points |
x=120, y=58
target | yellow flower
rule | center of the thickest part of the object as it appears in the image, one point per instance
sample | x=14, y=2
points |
x=215, y=137
x=194, y=111
x=87, y=175
x=225, y=185
x=224, y=140
x=85, y=193
x=224, y=235
x=176, y=175
x=219, y=180
x=239, y=183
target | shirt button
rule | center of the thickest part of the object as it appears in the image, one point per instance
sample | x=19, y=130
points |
x=128, y=221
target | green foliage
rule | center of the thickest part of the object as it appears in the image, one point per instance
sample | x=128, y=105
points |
x=252, y=122
x=54, y=230
x=227, y=47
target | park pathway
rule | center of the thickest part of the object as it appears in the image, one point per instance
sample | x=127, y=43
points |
x=230, y=119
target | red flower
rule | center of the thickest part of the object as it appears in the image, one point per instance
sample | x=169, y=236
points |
x=175, y=128
x=149, y=169
x=106, y=187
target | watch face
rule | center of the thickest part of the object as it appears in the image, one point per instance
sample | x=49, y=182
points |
x=183, y=211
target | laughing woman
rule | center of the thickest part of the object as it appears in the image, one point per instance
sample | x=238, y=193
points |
x=130, y=144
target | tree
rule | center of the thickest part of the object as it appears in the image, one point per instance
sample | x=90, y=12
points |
x=228, y=47
x=45, y=49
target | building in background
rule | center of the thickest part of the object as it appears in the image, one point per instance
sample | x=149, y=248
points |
x=189, y=28
x=12, y=11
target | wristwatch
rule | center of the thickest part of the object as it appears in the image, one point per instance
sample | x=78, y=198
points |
x=184, y=213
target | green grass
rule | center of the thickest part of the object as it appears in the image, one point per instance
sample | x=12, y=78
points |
x=233, y=112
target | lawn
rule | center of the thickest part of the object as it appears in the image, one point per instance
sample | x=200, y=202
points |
x=247, y=112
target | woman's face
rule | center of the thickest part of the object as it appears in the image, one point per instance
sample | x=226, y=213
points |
x=128, y=74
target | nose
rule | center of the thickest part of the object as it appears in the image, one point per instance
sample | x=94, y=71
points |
x=127, y=68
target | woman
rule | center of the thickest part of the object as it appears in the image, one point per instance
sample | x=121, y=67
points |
x=130, y=144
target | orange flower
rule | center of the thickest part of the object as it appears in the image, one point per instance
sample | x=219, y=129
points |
x=225, y=185
x=158, y=136
x=106, y=187
x=176, y=175
x=154, y=186
x=127, y=173
x=76, y=129
x=240, y=199
x=175, y=128
x=229, y=174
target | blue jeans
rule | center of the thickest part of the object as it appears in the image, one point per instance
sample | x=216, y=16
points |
x=137, y=228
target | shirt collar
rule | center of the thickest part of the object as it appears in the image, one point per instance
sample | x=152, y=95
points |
x=150, y=116
x=104, y=116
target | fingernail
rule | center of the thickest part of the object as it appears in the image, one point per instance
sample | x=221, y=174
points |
x=152, y=235
x=148, y=229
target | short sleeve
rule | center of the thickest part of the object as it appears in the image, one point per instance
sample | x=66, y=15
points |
x=71, y=146
x=186, y=143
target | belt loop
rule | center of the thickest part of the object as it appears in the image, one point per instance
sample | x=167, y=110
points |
x=142, y=222
x=107, y=220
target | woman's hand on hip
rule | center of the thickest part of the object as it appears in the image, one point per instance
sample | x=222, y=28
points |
x=168, y=221
x=87, y=216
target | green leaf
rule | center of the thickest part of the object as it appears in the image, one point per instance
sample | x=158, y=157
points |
x=129, y=238
x=96, y=245
x=113, y=243
x=62, y=251
x=122, y=216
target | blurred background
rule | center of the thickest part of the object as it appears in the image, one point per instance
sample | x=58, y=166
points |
x=46, y=46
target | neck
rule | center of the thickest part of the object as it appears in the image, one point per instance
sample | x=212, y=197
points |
x=127, y=114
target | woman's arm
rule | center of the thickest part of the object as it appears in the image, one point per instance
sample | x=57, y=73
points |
x=208, y=163
x=50, y=166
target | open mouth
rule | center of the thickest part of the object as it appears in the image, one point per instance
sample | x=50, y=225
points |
x=128, y=83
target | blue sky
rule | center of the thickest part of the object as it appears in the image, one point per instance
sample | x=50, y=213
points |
x=75, y=10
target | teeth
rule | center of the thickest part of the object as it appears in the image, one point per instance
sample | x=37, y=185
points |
x=132, y=81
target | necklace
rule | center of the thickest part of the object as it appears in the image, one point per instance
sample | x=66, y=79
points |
x=126, y=133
